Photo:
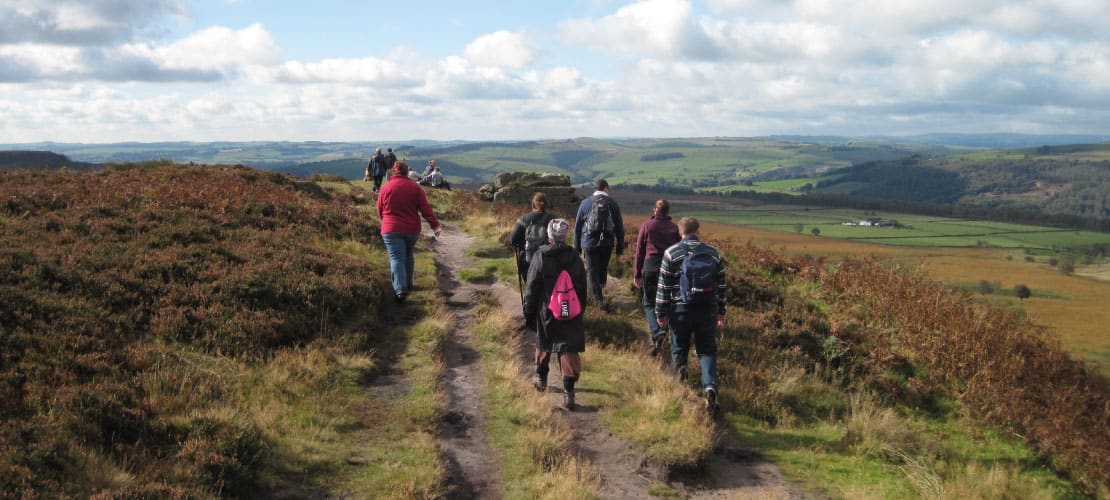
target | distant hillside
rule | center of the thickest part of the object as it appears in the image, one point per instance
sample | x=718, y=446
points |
x=1072, y=180
x=39, y=159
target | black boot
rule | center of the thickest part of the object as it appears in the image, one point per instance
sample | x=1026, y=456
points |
x=568, y=392
x=568, y=400
x=539, y=380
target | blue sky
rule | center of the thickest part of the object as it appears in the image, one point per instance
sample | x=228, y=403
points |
x=202, y=70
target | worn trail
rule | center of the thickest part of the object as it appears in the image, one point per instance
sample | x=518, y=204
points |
x=473, y=466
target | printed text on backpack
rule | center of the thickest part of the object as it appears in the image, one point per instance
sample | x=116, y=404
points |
x=564, y=304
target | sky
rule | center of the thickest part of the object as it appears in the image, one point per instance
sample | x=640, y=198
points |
x=96, y=71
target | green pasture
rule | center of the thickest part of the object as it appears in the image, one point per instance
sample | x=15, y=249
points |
x=919, y=230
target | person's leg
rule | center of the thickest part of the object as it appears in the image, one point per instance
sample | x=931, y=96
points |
x=651, y=282
x=680, y=343
x=395, y=247
x=705, y=340
x=543, y=365
x=604, y=253
x=570, y=364
x=410, y=259
x=593, y=282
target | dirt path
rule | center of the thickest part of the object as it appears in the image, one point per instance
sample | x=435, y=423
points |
x=473, y=469
x=735, y=471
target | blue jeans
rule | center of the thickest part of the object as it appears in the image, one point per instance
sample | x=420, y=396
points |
x=401, y=247
x=651, y=282
x=701, y=324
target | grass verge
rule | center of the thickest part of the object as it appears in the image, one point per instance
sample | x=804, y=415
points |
x=521, y=423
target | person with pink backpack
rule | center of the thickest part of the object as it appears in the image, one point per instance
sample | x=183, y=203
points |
x=554, y=303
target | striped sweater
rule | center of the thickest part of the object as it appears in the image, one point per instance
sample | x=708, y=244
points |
x=667, y=294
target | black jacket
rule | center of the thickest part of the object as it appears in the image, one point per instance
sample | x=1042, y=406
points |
x=555, y=335
x=516, y=236
x=377, y=166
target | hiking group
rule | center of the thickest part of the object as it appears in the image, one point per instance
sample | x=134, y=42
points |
x=682, y=282
x=682, y=279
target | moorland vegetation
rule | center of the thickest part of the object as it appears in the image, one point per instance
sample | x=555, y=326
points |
x=137, y=300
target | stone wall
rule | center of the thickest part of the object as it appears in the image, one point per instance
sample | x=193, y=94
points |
x=517, y=188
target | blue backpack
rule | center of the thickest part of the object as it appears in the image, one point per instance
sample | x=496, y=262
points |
x=697, y=284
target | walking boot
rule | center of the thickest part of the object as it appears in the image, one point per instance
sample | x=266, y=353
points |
x=711, y=400
x=539, y=381
x=568, y=400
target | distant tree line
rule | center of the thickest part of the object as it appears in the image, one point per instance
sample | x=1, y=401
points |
x=661, y=156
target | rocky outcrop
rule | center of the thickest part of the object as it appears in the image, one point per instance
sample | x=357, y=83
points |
x=517, y=188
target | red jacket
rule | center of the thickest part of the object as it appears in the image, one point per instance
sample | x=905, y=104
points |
x=400, y=204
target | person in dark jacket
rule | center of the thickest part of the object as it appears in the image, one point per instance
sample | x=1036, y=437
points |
x=390, y=159
x=400, y=205
x=699, y=321
x=564, y=337
x=598, y=247
x=376, y=169
x=654, y=237
x=539, y=216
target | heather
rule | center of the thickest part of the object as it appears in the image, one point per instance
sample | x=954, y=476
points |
x=864, y=340
x=136, y=298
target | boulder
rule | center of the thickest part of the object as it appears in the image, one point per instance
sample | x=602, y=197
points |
x=517, y=188
x=531, y=179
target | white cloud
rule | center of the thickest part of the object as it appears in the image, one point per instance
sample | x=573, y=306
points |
x=663, y=29
x=220, y=48
x=367, y=71
x=503, y=49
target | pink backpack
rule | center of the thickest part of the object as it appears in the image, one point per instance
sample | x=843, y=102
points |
x=564, y=303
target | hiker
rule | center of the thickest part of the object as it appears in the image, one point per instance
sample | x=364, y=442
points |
x=530, y=232
x=390, y=159
x=556, y=281
x=654, y=237
x=598, y=229
x=431, y=167
x=691, y=298
x=376, y=169
x=434, y=178
x=400, y=205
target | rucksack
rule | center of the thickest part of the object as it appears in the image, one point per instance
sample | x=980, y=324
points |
x=697, y=283
x=535, y=235
x=564, y=304
x=599, y=221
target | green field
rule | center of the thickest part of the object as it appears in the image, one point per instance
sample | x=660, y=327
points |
x=918, y=230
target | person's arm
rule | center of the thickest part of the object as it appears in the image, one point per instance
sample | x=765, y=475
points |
x=641, y=251
x=381, y=198
x=618, y=229
x=426, y=211
x=579, y=221
x=668, y=281
x=533, y=290
x=516, y=236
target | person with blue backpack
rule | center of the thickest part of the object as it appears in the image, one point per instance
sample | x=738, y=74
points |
x=552, y=305
x=691, y=299
x=598, y=231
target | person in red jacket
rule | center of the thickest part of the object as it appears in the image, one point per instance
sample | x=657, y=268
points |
x=655, y=236
x=401, y=202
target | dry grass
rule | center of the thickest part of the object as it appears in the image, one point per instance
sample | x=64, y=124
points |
x=522, y=423
x=650, y=408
